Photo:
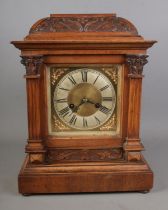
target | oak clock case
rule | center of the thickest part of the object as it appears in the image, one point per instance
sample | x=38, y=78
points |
x=84, y=79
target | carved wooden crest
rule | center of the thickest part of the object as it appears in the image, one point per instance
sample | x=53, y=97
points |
x=84, y=23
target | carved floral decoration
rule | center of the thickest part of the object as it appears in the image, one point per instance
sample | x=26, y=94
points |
x=85, y=154
x=135, y=65
x=32, y=64
x=84, y=24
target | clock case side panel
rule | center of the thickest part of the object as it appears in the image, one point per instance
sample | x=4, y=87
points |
x=85, y=146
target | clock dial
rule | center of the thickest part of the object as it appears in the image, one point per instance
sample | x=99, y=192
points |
x=84, y=99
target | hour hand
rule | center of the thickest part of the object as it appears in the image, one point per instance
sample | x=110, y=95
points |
x=102, y=108
x=97, y=105
x=75, y=108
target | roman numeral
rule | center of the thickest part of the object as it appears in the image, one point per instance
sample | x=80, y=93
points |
x=104, y=88
x=85, y=123
x=64, y=89
x=96, y=79
x=97, y=120
x=62, y=100
x=84, y=76
x=63, y=112
x=104, y=109
x=107, y=98
x=72, y=80
x=73, y=120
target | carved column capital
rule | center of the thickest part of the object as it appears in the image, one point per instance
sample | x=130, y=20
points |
x=32, y=64
x=135, y=65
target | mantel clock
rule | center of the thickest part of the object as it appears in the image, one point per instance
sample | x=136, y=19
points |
x=84, y=76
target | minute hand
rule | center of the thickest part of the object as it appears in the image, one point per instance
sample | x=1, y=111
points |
x=91, y=102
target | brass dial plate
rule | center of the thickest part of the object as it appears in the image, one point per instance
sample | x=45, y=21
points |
x=84, y=92
x=84, y=99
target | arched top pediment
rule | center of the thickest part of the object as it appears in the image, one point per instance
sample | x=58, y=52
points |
x=84, y=23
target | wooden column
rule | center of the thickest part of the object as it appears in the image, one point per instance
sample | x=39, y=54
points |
x=133, y=145
x=35, y=146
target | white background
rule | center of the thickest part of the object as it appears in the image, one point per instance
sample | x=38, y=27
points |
x=16, y=18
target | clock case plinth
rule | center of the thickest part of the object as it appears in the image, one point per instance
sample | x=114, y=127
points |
x=84, y=39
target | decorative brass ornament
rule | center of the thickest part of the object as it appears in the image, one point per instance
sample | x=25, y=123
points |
x=112, y=72
x=56, y=73
x=112, y=123
x=58, y=125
